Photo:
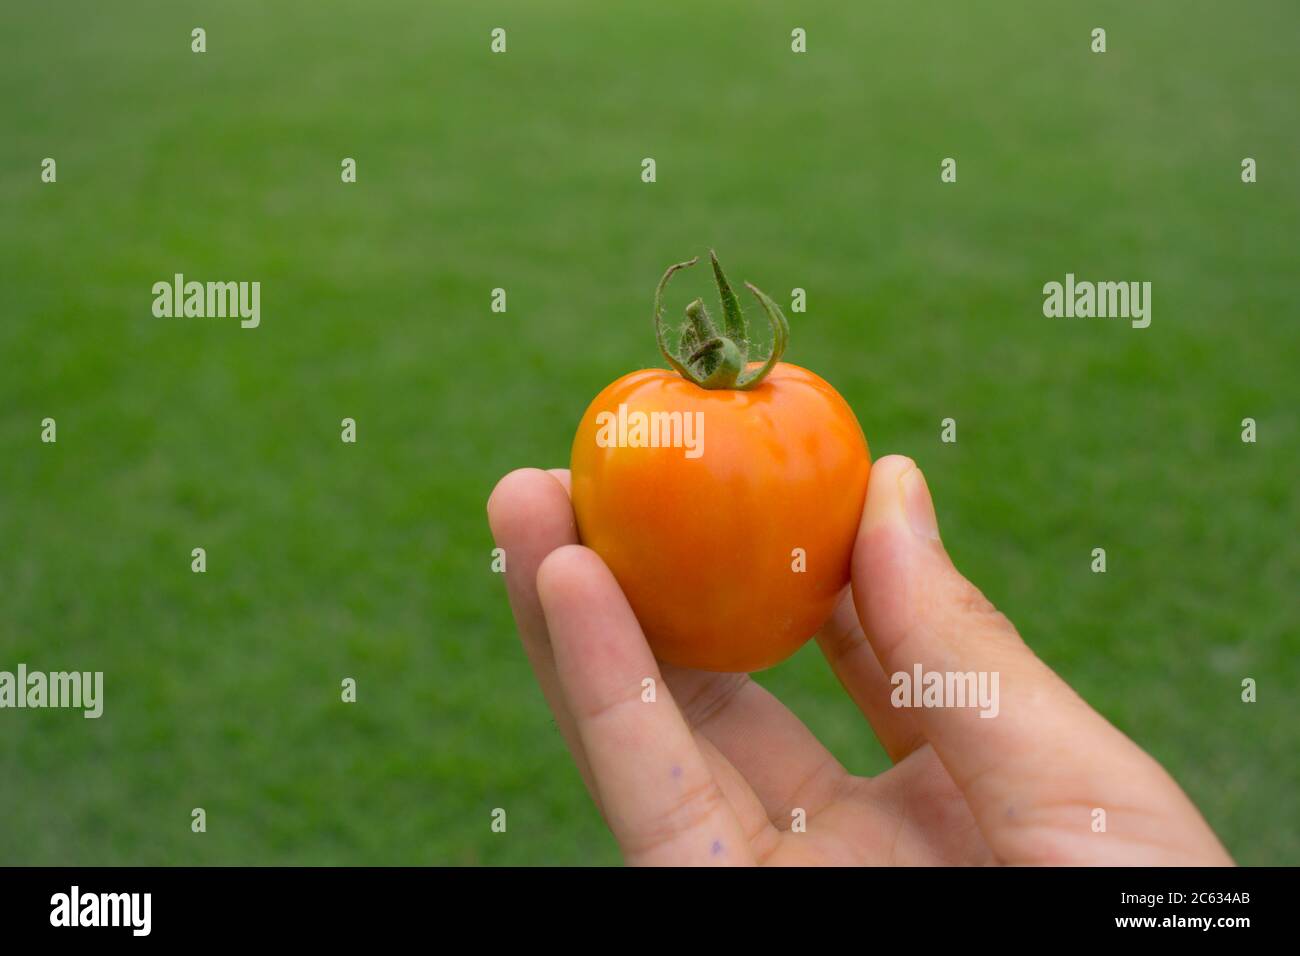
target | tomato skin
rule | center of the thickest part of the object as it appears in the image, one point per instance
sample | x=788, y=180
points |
x=703, y=547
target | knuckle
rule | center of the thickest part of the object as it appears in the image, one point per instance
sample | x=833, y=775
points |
x=690, y=809
x=610, y=706
x=970, y=603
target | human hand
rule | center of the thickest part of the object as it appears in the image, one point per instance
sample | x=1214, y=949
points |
x=713, y=771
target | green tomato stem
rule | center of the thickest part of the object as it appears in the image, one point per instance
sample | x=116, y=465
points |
x=675, y=362
x=733, y=320
x=715, y=361
x=780, y=338
x=727, y=366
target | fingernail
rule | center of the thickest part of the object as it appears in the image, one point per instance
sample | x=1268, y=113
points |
x=917, y=504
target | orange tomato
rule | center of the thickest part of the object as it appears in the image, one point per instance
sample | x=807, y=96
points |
x=727, y=515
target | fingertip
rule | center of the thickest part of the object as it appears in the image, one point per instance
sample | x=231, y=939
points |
x=898, y=498
x=592, y=628
x=510, y=487
x=886, y=471
x=888, y=565
x=562, y=572
x=883, y=506
x=518, y=500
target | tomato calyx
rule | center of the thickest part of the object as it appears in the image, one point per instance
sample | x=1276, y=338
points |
x=716, y=359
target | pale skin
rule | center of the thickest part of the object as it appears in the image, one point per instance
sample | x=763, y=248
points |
x=712, y=772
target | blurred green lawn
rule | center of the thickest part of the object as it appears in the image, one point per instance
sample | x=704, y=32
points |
x=523, y=171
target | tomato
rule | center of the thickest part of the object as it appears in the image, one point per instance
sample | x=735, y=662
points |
x=727, y=513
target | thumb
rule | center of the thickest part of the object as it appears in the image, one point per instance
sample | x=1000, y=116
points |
x=1030, y=756
x=915, y=606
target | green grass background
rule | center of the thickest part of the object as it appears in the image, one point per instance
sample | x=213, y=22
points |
x=523, y=171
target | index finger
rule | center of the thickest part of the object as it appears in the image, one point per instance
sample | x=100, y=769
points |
x=657, y=792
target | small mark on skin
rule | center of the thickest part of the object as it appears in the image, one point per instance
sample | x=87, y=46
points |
x=677, y=771
x=716, y=848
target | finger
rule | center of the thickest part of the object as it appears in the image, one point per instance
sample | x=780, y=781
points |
x=658, y=795
x=1040, y=760
x=530, y=516
x=562, y=476
x=854, y=662
x=760, y=741
x=761, y=835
